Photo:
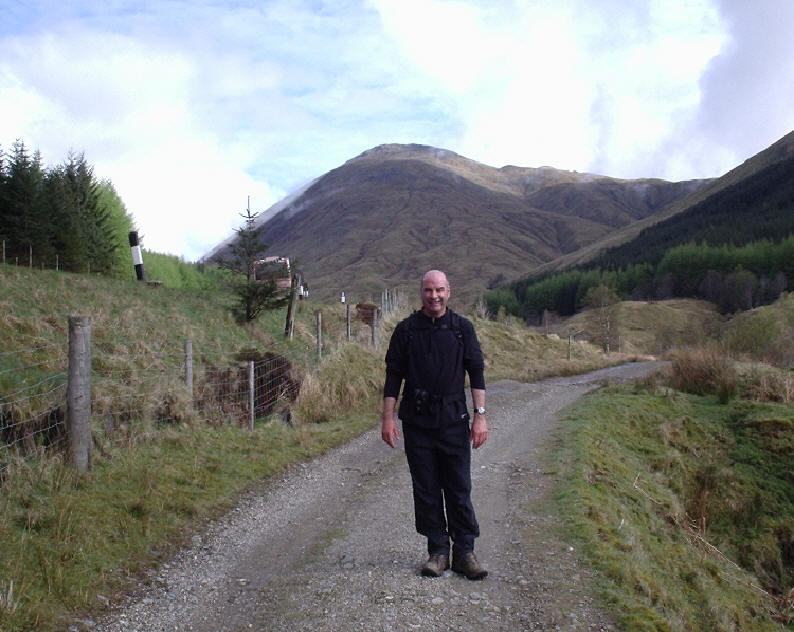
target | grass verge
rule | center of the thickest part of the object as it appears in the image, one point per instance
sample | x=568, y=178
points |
x=65, y=538
x=685, y=507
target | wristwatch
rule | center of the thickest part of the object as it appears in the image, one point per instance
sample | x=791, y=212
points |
x=479, y=411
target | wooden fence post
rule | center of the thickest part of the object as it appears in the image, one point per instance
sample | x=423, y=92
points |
x=78, y=392
x=347, y=321
x=289, y=327
x=375, y=323
x=251, y=398
x=189, y=369
x=319, y=335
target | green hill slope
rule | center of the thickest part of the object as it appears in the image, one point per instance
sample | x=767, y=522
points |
x=781, y=150
x=732, y=247
x=760, y=206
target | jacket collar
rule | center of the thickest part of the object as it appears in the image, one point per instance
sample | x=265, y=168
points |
x=424, y=321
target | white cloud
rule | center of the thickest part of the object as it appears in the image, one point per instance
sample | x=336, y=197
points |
x=568, y=84
x=190, y=107
x=748, y=90
x=133, y=109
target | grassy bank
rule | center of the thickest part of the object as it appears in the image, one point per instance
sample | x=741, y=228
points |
x=685, y=506
x=68, y=543
x=514, y=352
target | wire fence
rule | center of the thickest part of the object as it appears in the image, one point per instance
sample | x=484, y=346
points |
x=133, y=397
x=32, y=407
x=71, y=396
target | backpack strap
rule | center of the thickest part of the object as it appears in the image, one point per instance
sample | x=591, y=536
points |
x=454, y=324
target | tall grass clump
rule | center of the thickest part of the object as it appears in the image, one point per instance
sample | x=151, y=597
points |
x=347, y=381
x=513, y=351
x=768, y=384
x=702, y=371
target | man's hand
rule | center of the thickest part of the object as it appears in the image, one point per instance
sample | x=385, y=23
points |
x=388, y=427
x=389, y=431
x=479, y=431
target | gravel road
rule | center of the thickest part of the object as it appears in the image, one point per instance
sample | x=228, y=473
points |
x=330, y=545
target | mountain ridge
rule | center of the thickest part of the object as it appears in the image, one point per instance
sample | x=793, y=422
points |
x=383, y=217
x=778, y=151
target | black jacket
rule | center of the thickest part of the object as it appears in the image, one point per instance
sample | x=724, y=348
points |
x=432, y=357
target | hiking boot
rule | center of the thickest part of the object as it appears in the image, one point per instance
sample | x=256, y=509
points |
x=435, y=565
x=466, y=564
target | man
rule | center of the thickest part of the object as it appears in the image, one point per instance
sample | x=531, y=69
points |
x=430, y=351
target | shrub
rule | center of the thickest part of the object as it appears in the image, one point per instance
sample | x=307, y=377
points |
x=348, y=380
x=770, y=386
x=704, y=372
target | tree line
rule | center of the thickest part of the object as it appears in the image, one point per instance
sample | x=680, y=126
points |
x=61, y=216
x=758, y=207
x=735, y=278
x=65, y=217
x=734, y=248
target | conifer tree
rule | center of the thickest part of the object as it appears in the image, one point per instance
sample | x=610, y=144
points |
x=24, y=221
x=120, y=224
x=85, y=234
x=252, y=296
x=66, y=239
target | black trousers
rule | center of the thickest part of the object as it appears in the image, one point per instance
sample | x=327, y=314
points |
x=440, y=463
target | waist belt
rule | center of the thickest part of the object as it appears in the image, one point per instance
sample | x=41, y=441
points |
x=430, y=405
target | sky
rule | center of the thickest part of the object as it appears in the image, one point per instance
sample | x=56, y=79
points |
x=191, y=108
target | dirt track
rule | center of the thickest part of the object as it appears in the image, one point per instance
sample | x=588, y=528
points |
x=331, y=546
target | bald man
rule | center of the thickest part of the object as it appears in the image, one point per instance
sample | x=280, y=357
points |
x=430, y=352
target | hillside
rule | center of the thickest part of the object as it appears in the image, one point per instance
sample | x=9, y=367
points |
x=651, y=327
x=760, y=206
x=383, y=217
x=782, y=151
x=733, y=247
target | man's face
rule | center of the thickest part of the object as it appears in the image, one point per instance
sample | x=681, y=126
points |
x=435, y=294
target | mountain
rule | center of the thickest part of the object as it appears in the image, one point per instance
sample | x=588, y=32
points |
x=758, y=207
x=386, y=216
x=766, y=173
x=731, y=243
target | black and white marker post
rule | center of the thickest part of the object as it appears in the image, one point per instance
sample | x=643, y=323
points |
x=137, y=257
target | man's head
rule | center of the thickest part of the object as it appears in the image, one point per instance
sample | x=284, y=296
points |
x=435, y=293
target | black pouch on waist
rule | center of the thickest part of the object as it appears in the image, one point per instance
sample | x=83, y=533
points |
x=421, y=401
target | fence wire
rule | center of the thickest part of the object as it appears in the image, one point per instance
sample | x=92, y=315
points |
x=131, y=399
